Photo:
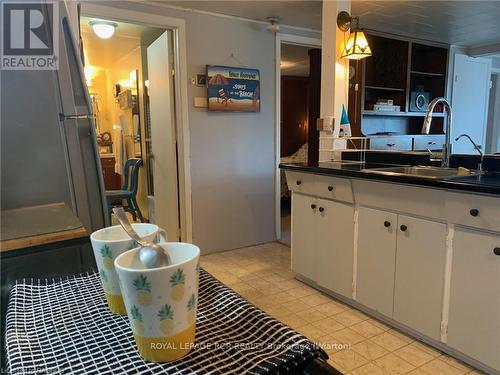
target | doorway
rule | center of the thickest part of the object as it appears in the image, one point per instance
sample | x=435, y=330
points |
x=297, y=107
x=165, y=181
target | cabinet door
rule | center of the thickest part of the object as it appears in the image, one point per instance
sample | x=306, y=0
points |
x=304, y=235
x=474, y=324
x=335, y=238
x=420, y=269
x=376, y=259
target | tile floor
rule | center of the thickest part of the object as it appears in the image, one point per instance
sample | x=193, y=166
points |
x=355, y=343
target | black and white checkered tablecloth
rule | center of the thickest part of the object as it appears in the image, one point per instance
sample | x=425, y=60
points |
x=64, y=326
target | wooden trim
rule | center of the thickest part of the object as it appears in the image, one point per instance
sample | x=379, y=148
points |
x=42, y=239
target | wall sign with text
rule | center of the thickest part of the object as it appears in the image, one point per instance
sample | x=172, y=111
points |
x=233, y=89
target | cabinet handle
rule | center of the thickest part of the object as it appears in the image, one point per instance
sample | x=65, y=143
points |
x=313, y=206
x=431, y=143
x=403, y=228
x=474, y=212
x=496, y=250
x=321, y=209
x=330, y=188
x=391, y=144
x=387, y=224
x=298, y=182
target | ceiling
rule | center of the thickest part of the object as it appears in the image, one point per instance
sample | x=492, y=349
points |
x=465, y=23
x=127, y=38
x=297, y=13
x=294, y=60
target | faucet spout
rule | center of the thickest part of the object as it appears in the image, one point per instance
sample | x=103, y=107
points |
x=426, y=127
x=476, y=146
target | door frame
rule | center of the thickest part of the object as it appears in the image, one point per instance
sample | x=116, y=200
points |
x=299, y=41
x=178, y=27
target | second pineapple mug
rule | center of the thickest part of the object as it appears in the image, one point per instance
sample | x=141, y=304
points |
x=110, y=242
x=161, y=302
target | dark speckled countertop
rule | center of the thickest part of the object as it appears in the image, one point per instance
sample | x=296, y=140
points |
x=488, y=183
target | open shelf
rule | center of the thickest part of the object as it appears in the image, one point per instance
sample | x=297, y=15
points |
x=400, y=113
x=427, y=74
x=384, y=88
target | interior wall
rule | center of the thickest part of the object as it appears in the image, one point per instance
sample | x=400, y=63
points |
x=232, y=154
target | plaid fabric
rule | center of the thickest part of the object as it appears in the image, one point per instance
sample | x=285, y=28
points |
x=64, y=326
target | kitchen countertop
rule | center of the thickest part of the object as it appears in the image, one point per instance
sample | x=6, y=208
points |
x=488, y=183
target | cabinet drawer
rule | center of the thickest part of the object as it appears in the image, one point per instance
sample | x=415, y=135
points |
x=334, y=188
x=391, y=143
x=300, y=182
x=431, y=142
x=425, y=202
x=473, y=210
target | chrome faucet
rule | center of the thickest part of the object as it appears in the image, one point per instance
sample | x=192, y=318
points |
x=445, y=158
x=480, y=165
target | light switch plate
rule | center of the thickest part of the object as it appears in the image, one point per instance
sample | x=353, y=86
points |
x=200, y=102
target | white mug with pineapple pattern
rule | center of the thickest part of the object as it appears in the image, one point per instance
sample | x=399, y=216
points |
x=161, y=302
x=110, y=242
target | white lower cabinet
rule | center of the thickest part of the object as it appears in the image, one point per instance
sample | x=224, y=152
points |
x=335, y=225
x=420, y=269
x=474, y=315
x=376, y=259
x=401, y=263
x=322, y=242
x=401, y=258
x=304, y=235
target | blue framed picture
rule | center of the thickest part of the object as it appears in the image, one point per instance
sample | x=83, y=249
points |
x=233, y=89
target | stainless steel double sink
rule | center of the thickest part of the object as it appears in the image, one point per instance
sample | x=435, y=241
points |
x=417, y=171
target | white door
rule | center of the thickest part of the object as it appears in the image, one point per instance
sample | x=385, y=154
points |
x=474, y=324
x=376, y=259
x=419, y=281
x=304, y=210
x=471, y=87
x=163, y=137
x=334, y=246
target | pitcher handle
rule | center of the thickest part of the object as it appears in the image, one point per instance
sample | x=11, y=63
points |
x=163, y=235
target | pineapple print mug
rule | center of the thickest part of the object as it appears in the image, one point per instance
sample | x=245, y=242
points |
x=110, y=242
x=161, y=302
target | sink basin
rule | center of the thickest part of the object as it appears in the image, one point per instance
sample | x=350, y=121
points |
x=417, y=171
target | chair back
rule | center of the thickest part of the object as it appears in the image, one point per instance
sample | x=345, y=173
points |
x=131, y=175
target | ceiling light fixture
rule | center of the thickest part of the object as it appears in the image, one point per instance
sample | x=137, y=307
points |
x=356, y=47
x=274, y=26
x=103, y=29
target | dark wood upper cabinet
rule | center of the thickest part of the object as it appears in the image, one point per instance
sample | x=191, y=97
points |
x=398, y=67
x=387, y=67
